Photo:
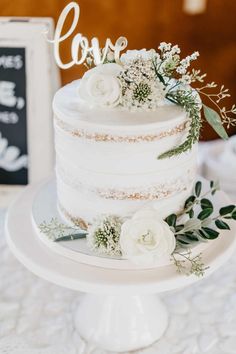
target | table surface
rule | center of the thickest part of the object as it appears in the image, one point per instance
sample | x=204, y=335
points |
x=37, y=317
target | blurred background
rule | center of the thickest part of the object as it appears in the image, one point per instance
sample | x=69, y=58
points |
x=204, y=25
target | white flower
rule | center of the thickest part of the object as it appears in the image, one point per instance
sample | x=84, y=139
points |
x=104, y=234
x=168, y=51
x=186, y=62
x=186, y=79
x=164, y=46
x=146, y=239
x=131, y=55
x=141, y=89
x=100, y=86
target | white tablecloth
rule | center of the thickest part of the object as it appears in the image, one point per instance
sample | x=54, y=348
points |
x=37, y=317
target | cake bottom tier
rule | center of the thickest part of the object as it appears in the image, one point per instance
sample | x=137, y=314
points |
x=76, y=205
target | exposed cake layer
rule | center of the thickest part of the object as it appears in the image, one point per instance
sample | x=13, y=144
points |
x=107, y=159
x=86, y=203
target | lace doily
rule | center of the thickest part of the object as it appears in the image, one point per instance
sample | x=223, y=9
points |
x=37, y=317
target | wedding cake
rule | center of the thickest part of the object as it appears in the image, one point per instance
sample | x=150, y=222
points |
x=126, y=136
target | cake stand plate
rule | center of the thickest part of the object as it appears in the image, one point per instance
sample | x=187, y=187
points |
x=44, y=208
x=121, y=311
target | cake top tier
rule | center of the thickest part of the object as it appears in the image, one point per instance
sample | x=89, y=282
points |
x=69, y=106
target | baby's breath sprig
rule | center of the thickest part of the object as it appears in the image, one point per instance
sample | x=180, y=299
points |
x=187, y=264
x=57, y=231
x=140, y=87
x=228, y=116
x=104, y=235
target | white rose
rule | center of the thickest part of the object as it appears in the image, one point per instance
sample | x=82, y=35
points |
x=133, y=54
x=146, y=239
x=100, y=86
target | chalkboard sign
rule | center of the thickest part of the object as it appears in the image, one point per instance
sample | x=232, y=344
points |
x=29, y=78
x=13, y=117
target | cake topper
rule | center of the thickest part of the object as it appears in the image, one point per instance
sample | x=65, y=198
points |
x=80, y=48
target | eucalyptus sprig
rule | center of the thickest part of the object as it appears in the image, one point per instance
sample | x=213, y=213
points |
x=192, y=226
x=202, y=225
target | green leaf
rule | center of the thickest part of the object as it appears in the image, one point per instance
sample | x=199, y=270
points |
x=191, y=236
x=222, y=225
x=160, y=77
x=192, y=224
x=183, y=239
x=234, y=215
x=198, y=188
x=187, y=238
x=179, y=227
x=214, y=120
x=189, y=201
x=171, y=220
x=227, y=210
x=210, y=233
x=207, y=222
x=211, y=184
x=71, y=237
x=205, y=213
x=191, y=213
x=206, y=204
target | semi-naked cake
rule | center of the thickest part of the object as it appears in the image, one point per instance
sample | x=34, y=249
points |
x=107, y=158
x=126, y=137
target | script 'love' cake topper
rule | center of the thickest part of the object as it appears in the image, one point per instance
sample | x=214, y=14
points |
x=80, y=48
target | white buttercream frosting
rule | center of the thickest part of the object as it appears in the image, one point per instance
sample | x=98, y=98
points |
x=73, y=109
x=107, y=158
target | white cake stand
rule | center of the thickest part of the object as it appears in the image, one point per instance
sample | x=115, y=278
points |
x=121, y=311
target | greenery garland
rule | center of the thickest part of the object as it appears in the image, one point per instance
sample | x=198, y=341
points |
x=196, y=222
x=186, y=100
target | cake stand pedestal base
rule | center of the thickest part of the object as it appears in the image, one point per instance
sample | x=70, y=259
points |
x=121, y=323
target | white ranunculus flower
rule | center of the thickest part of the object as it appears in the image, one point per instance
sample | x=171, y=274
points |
x=132, y=54
x=100, y=86
x=146, y=239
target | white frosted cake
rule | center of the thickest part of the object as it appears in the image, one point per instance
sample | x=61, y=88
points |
x=107, y=158
x=126, y=138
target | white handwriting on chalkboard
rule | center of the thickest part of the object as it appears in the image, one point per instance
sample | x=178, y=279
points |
x=11, y=62
x=9, y=157
x=9, y=117
x=7, y=95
